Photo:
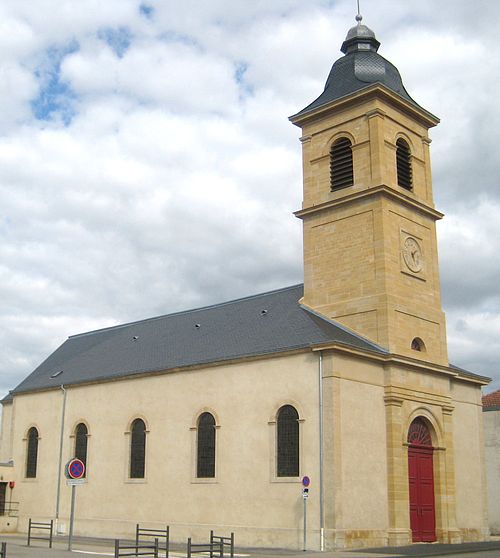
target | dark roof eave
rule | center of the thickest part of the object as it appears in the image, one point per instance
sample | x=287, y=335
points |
x=159, y=371
x=307, y=113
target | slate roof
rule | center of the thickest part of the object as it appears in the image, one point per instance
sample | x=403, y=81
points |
x=491, y=401
x=263, y=324
x=361, y=67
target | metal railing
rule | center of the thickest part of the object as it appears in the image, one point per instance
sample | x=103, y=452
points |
x=10, y=509
x=127, y=549
x=211, y=548
x=163, y=536
x=224, y=542
x=43, y=527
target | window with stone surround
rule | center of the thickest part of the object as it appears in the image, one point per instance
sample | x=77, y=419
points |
x=287, y=442
x=32, y=453
x=205, y=445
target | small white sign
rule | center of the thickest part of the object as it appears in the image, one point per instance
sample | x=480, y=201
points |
x=75, y=482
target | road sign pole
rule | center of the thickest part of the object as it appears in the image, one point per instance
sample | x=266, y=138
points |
x=72, y=517
x=305, y=524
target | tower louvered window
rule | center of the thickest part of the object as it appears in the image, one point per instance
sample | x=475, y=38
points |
x=205, y=461
x=288, y=442
x=403, y=164
x=138, y=450
x=81, y=434
x=341, y=169
x=32, y=453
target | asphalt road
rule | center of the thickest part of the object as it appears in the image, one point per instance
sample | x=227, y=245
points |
x=88, y=548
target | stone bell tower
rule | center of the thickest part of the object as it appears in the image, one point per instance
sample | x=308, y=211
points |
x=370, y=250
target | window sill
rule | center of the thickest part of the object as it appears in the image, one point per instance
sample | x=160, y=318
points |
x=210, y=480
x=287, y=480
x=136, y=481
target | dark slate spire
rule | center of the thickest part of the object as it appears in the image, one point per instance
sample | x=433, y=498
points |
x=361, y=67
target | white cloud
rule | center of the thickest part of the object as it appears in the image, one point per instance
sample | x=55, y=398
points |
x=170, y=180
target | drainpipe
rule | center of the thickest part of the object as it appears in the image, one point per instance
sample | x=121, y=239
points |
x=321, y=487
x=61, y=440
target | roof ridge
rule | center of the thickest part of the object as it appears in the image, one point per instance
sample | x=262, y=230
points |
x=186, y=312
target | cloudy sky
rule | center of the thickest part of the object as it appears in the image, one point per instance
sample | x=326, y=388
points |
x=147, y=164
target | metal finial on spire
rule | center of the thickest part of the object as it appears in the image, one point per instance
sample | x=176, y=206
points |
x=359, y=17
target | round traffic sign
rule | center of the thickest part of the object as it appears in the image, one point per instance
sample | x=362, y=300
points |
x=306, y=481
x=76, y=469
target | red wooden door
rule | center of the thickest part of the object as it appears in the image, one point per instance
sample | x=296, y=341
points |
x=421, y=480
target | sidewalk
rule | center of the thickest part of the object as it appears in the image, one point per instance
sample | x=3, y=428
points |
x=89, y=547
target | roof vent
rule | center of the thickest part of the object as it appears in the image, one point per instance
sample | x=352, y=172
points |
x=197, y=326
x=55, y=374
x=263, y=312
x=135, y=337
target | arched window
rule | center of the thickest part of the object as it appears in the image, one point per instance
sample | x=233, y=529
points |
x=205, y=457
x=32, y=453
x=81, y=434
x=403, y=164
x=418, y=433
x=341, y=169
x=138, y=449
x=288, y=442
x=418, y=345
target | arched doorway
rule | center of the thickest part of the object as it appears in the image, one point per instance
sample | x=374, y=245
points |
x=421, y=481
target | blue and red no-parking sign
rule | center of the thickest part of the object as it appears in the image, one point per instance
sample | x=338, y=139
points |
x=75, y=469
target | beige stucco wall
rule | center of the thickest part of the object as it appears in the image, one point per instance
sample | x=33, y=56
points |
x=368, y=407
x=5, y=433
x=469, y=461
x=246, y=497
x=356, y=507
x=491, y=421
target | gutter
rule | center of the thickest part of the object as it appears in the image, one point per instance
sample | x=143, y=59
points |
x=321, y=453
x=61, y=442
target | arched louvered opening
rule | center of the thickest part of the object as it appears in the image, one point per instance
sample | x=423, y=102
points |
x=288, y=442
x=81, y=434
x=138, y=450
x=403, y=164
x=32, y=453
x=418, y=345
x=205, y=458
x=419, y=434
x=341, y=169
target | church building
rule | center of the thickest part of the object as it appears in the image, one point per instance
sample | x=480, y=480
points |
x=211, y=418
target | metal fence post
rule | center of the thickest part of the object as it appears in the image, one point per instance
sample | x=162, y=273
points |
x=51, y=531
x=117, y=548
x=189, y=548
x=29, y=532
x=4, y=550
x=232, y=545
x=156, y=549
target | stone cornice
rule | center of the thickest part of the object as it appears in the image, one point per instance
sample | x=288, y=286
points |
x=377, y=90
x=380, y=190
x=401, y=360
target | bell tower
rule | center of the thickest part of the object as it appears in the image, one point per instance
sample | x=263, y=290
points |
x=369, y=222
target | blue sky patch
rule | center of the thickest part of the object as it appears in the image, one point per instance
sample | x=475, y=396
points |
x=146, y=10
x=118, y=39
x=239, y=75
x=56, y=99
